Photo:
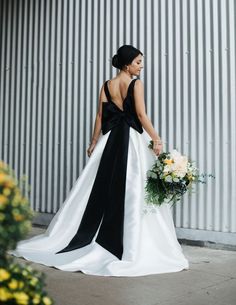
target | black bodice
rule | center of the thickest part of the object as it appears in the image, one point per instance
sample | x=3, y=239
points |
x=112, y=114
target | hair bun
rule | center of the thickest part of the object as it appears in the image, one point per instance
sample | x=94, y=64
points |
x=115, y=61
x=124, y=56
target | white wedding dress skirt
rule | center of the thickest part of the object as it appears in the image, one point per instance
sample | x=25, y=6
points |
x=149, y=241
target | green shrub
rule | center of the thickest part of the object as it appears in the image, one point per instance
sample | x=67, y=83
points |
x=19, y=284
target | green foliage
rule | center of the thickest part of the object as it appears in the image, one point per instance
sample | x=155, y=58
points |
x=19, y=284
x=22, y=285
x=15, y=212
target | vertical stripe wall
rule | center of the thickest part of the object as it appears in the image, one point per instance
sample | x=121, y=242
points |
x=55, y=56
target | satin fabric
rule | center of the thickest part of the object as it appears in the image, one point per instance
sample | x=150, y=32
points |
x=150, y=245
x=106, y=201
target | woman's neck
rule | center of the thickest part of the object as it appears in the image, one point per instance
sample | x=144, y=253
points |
x=126, y=74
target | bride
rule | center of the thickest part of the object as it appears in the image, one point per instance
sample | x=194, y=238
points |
x=103, y=228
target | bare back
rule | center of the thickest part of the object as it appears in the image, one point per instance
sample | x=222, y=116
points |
x=118, y=89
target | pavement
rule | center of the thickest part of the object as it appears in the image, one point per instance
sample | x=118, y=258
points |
x=211, y=280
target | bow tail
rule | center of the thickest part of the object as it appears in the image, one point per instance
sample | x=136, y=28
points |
x=104, y=213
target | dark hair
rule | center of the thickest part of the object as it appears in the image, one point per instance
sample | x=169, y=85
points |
x=125, y=56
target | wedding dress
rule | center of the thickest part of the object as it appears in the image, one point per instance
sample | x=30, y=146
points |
x=103, y=227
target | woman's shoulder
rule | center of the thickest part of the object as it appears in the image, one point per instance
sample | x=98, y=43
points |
x=138, y=84
x=138, y=81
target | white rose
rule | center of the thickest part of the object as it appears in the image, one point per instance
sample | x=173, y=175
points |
x=180, y=165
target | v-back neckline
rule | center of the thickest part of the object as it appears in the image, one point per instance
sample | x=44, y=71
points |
x=110, y=99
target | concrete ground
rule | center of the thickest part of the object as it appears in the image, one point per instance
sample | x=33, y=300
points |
x=211, y=280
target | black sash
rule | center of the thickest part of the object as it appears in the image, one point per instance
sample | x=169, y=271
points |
x=105, y=207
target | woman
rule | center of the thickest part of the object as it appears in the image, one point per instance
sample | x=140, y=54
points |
x=101, y=228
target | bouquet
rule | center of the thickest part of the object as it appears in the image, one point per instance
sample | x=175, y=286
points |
x=170, y=177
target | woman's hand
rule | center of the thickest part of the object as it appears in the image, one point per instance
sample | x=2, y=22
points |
x=157, y=147
x=91, y=147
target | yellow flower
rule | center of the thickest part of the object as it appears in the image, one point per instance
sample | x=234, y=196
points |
x=6, y=180
x=15, y=204
x=29, y=268
x=27, y=225
x=9, y=184
x=25, y=272
x=6, y=191
x=24, y=201
x=4, y=275
x=34, y=281
x=17, y=191
x=16, y=269
x=2, y=164
x=168, y=161
x=17, y=198
x=3, y=178
x=15, y=212
x=47, y=301
x=3, y=199
x=13, y=284
x=21, y=284
x=18, y=217
x=36, y=299
x=4, y=294
x=21, y=298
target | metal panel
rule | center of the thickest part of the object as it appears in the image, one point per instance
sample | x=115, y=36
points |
x=55, y=55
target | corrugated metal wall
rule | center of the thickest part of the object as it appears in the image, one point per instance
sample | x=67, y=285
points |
x=55, y=55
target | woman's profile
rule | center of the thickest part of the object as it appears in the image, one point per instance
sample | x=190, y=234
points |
x=101, y=228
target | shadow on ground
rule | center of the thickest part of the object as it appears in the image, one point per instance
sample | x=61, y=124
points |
x=211, y=280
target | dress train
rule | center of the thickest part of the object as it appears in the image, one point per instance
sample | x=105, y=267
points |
x=149, y=239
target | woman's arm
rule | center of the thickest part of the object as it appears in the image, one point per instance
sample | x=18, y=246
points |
x=141, y=113
x=97, y=123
